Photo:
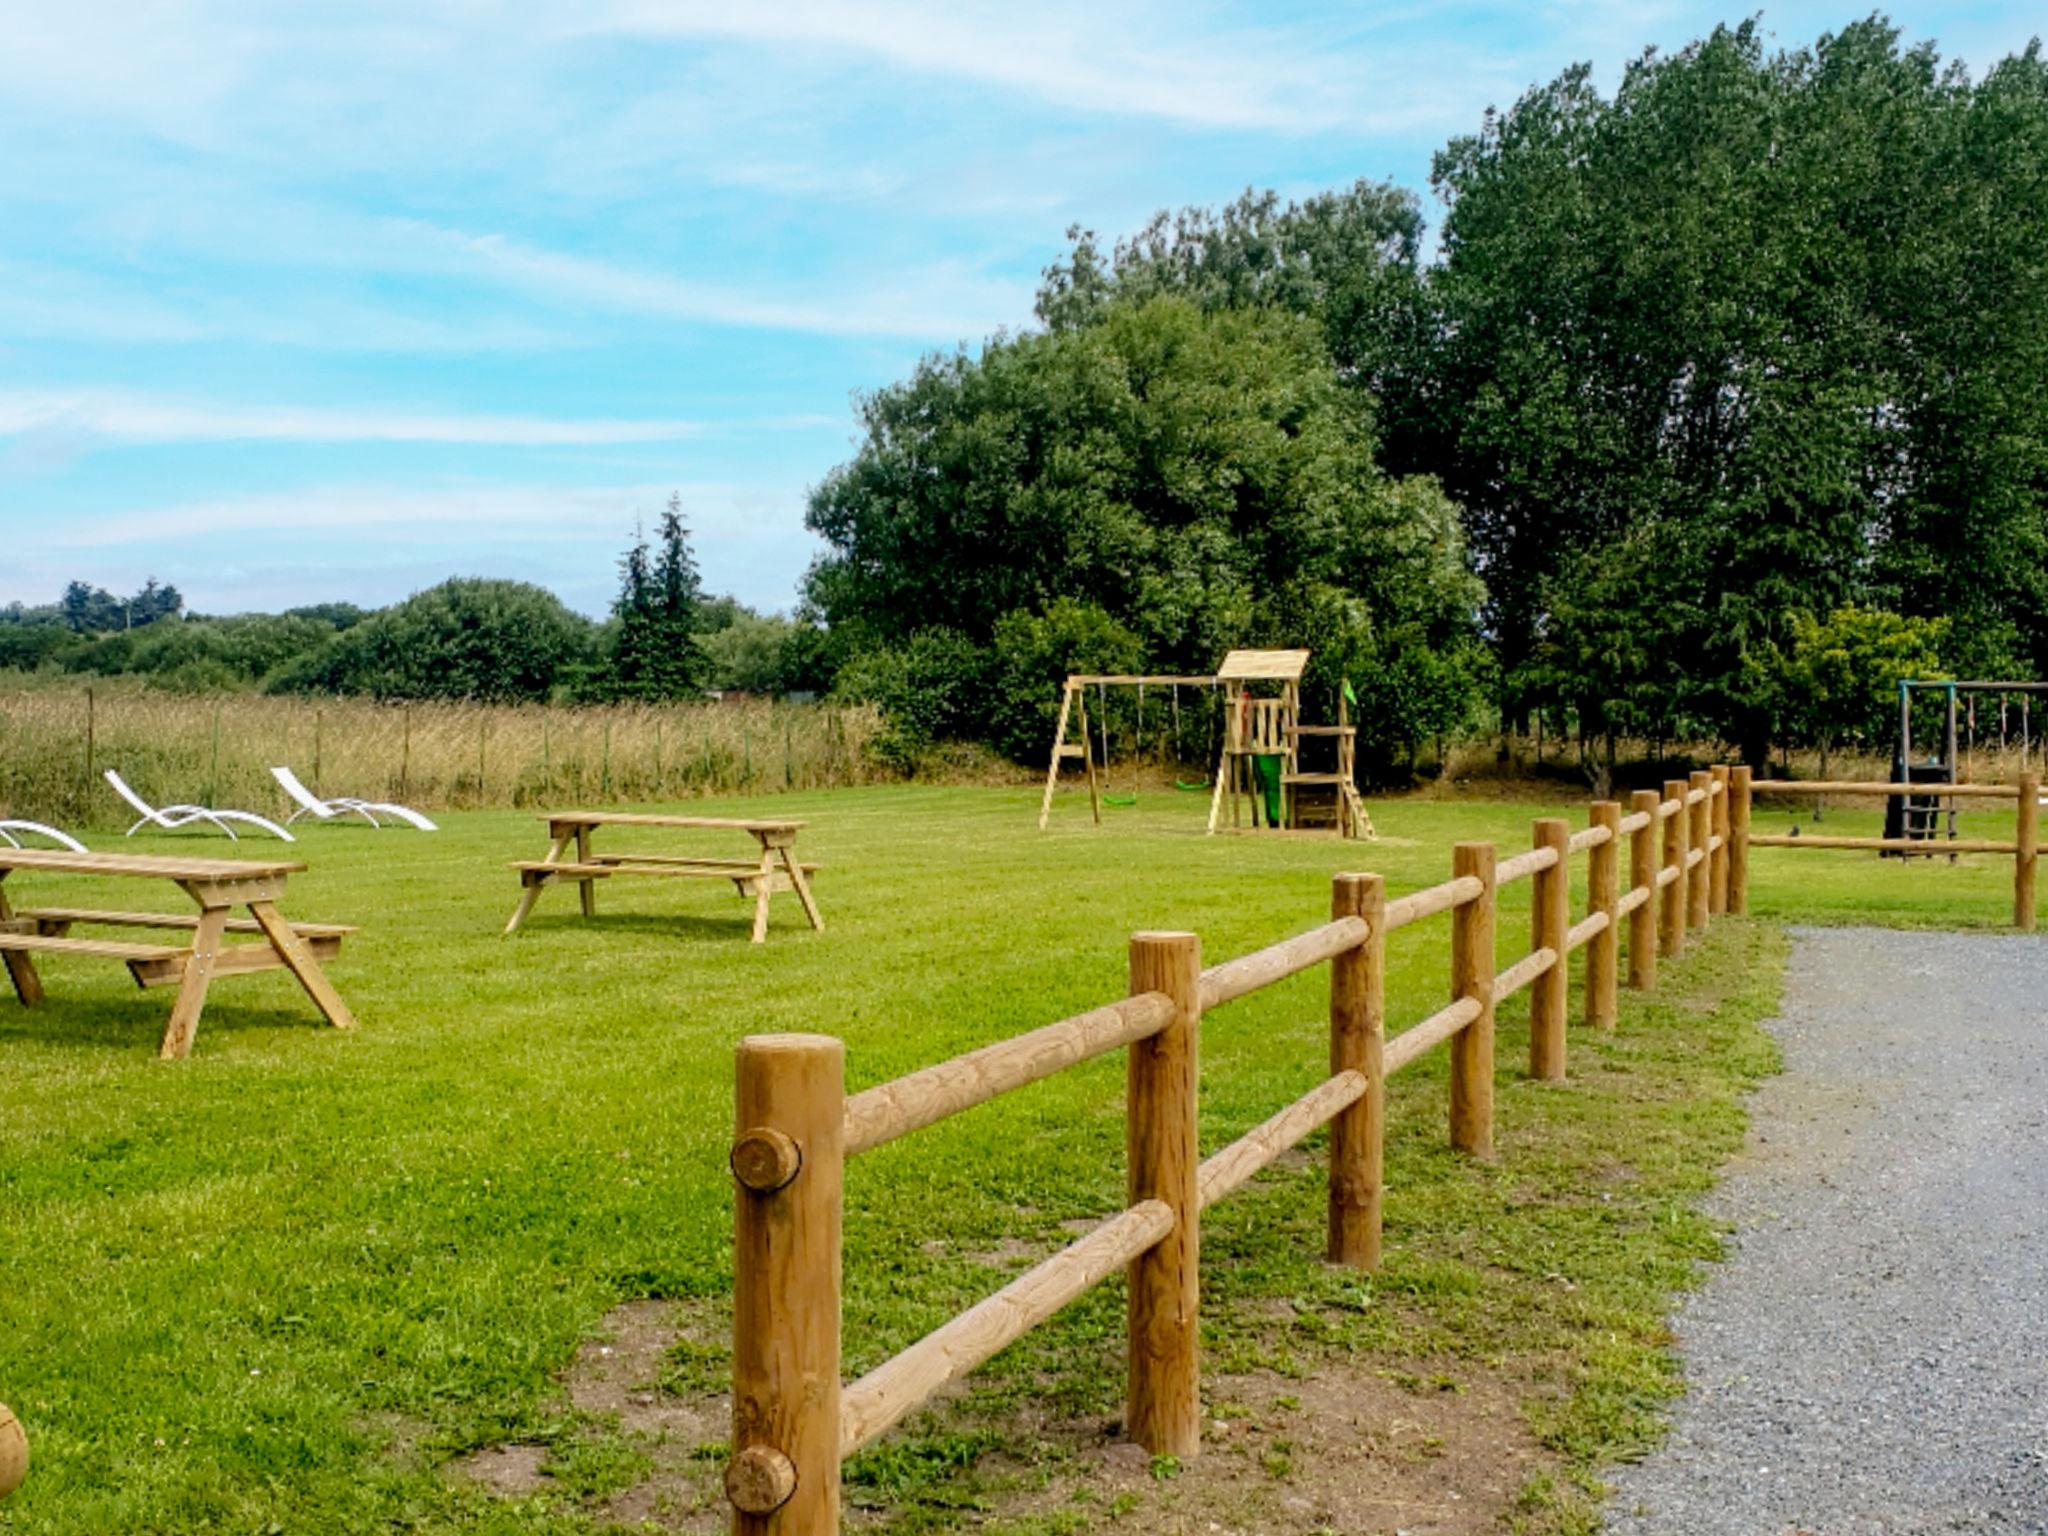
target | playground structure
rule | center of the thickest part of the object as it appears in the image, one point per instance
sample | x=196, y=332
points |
x=1931, y=817
x=1074, y=722
x=1258, y=769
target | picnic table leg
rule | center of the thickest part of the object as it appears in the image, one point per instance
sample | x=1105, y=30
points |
x=764, y=884
x=299, y=961
x=587, y=885
x=184, y=1021
x=530, y=892
x=803, y=887
x=21, y=970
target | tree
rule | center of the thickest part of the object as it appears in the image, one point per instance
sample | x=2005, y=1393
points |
x=1764, y=318
x=1842, y=673
x=1201, y=477
x=500, y=641
x=656, y=654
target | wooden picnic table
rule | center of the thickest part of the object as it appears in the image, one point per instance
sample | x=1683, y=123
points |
x=217, y=887
x=776, y=868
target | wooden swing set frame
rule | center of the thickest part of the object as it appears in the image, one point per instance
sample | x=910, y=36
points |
x=1254, y=726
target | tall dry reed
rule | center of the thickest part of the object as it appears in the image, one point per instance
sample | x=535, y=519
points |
x=218, y=750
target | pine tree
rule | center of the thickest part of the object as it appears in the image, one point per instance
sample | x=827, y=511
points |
x=655, y=654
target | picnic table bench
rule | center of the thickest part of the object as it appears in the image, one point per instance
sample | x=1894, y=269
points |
x=216, y=887
x=776, y=868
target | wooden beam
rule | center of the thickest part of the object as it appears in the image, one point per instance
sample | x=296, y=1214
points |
x=1163, y=1408
x=1358, y=1043
x=783, y=1479
x=1472, y=981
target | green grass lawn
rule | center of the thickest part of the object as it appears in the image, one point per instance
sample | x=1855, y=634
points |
x=274, y=1287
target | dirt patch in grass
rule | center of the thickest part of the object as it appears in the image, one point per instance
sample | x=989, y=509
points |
x=1424, y=1448
x=1431, y=1448
x=509, y=1471
x=679, y=1438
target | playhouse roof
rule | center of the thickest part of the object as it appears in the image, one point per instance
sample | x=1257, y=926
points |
x=1263, y=666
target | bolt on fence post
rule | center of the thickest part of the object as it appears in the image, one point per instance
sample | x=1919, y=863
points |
x=1671, y=914
x=2027, y=843
x=1718, y=823
x=1603, y=951
x=1696, y=905
x=789, y=1162
x=1163, y=1406
x=1358, y=1039
x=1738, y=839
x=1550, y=916
x=1642, y=872
x=1472, y=964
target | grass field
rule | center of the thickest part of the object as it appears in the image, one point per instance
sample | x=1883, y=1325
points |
x=276, y=1287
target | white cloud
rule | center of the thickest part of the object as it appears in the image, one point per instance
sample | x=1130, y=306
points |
x=141, y=418
x=941, y=301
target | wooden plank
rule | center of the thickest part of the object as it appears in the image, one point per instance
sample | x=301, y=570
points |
x=935, y=1093
x=191, y=999
x=586, y=888
x=1262, y=967
x=97, y=949
x=1263, y=666
x=21, y=969
x=299, y=960
x=529, y=890
x=636, y=819
x=1932, y=846
x=1225, y=1172
x=763, y=883
x=62, y=861
x=880, y=1399
x=799, y=877
x=93, y=916
x=1884, y=791
x=1412, y=1045
x=1417, y=905
x=232, y=893
x=235, y=960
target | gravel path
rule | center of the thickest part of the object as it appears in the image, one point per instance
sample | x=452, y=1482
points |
x=1873, y=1356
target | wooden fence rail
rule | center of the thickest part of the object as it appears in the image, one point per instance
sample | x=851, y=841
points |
x=793, y=1420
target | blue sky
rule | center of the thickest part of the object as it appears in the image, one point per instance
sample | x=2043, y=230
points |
x=304, y=302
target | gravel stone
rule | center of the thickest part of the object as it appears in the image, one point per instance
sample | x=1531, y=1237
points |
x=1872, y=1358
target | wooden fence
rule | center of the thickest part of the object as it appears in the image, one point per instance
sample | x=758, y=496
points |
x=794, y=1421
x=2025, y=846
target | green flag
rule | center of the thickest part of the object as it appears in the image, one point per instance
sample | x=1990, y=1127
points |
x=1349, y=696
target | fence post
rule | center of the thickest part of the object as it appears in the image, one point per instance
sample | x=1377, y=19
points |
x=1696, y=834
x=13, y=1452
x=2025, y=860
x=1472, y=964
x=1358, y=1024
x=1738, y=840
x=1717, y=823
x=1603, y=882
x=1671, y=911
x=788, y=1160
x=1163, y=1408
x=1642, y=871
x=1550, y=915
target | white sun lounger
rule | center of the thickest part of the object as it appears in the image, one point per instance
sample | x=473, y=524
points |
x=171, y=817
x=11, y=833
x=312, y=805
